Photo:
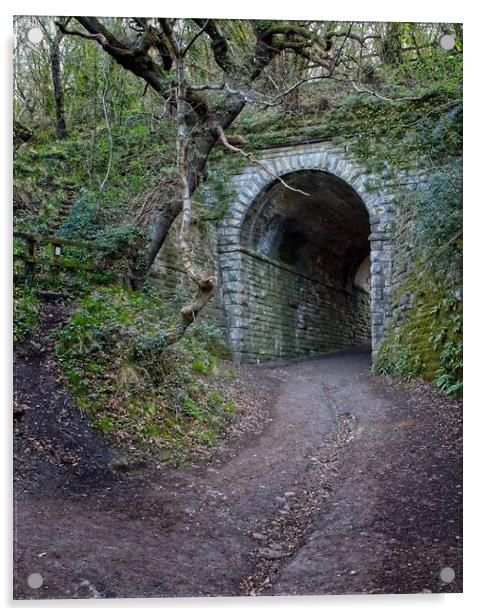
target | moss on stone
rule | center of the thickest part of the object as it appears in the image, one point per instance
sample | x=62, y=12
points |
x=427, y=343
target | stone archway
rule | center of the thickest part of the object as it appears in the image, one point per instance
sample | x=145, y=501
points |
x=277, y=290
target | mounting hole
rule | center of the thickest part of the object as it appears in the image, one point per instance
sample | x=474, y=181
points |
x=447, y=575
x=447, y=42
x=35, y=35
x=35, y=580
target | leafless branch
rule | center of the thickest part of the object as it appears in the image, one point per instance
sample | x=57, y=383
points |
x=351, y=35
x=296, y=85
x=109, y=130
x=254, y=161
x=100, y=38
x=335, y=63
x=447, y=105
x=253, y=97
x=384, y=98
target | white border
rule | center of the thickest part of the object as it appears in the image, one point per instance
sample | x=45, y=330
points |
x=407, y=10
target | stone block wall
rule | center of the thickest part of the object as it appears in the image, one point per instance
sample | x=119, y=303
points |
x=273, y=311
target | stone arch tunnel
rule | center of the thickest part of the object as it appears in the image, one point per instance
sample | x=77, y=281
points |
x=307, y=248
x=307, y=270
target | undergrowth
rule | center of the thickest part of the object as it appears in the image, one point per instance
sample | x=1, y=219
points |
x=26, y=309
x=172, y=402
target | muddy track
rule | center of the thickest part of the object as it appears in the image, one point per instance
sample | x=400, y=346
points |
x=349, y=484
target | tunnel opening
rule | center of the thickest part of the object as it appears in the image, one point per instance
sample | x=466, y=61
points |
x=305, y=268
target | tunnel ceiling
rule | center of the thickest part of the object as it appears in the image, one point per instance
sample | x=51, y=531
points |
x=328, y=224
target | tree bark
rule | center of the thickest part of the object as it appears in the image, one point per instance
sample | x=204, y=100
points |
x=392, y=45
x=61, y=127
x=173, y=204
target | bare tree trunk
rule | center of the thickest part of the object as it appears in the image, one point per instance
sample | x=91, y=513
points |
x=392, y=45
x=61, y=127
x=173, y=205
x=203, y=280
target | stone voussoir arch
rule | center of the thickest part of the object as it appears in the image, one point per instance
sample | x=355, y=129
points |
x=377, y=196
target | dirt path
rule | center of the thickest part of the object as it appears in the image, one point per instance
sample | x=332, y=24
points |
x=352, y=485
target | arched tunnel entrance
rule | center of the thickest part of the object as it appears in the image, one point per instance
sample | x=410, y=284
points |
x=300, y=282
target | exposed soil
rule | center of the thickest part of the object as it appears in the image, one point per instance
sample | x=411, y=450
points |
x=334, y=481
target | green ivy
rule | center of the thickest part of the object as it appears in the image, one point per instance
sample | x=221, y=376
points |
x=156, y=400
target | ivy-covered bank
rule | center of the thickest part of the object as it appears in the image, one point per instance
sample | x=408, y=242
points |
x=427, y=341
x=425, y=336
x=173, y=403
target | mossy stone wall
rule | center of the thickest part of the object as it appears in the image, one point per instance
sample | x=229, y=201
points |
x=424, y=334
